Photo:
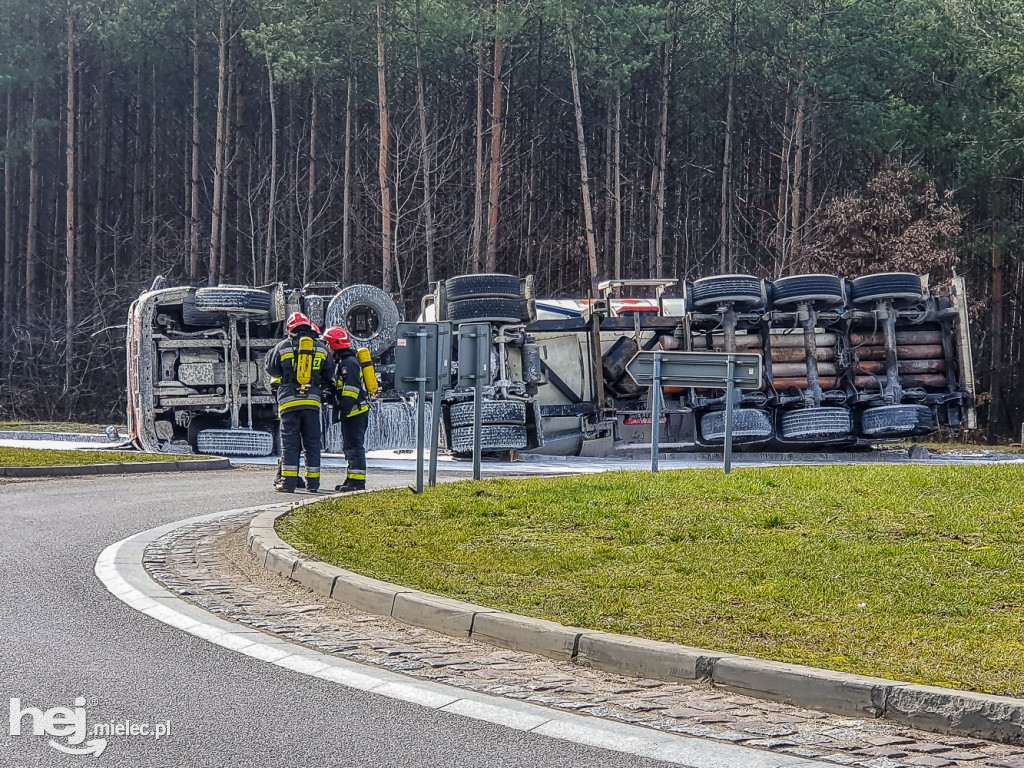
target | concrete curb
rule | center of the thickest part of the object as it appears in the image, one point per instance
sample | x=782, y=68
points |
x=927, y=708
x=131, y=468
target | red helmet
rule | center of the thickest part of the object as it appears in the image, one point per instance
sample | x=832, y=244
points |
x=337, y=338
x=298, y=320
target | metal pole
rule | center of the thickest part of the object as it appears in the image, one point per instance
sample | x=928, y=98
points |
x=435, y=429
x=248, y=373
x=482, y=354
x=421, y=408
x=656, y=412
x=730, y=394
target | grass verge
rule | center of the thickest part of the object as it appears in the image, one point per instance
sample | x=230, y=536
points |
x=906, y=572
x=34, y=457
x=55, y=426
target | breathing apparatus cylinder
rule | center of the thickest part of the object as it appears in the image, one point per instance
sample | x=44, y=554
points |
x=368, y=371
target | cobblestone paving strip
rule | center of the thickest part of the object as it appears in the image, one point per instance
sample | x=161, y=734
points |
x=210, y=565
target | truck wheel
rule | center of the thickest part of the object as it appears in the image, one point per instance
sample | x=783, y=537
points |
x=493, y=437
x=501, y=311
x=897, y=421
x=816, y=424
x=196, y=318
x=483, y=286
x=233, y=299
x=749, y=425
x=745, y=291
x=368, y=314
x=894, y=286
x=491, y=412
x=822, y=290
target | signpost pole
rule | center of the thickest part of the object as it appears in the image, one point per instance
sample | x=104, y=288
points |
x=435, y=429
x=478, y=404
x=421, y=407
x=729, y=397
x=656, y=413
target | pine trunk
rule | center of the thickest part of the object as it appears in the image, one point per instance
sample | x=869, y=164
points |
x=384, y=157
x=307, y=232
x=581, y=146
x=69, y=231
x=8, y=314
x=218, y=172
x=995, y=405
x=346, y=254
x=478, y=168
x=725, y=232
x=659, y=242
x=421, y=105
x=193, y=221
x=32, y=238
x=494, y=181
x=268, y=251
x=618, y=184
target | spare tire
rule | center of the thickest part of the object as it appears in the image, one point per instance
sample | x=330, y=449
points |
x=745, y=291
x=897, y=421
x=491, y=412
x=891, y=286
x=749, y=425
x=816, y=424
x=196, y=318
x=493, y=437
x=233, y=299
x=488, y=310
x=822, y=290
x=368, y=314
x=483, y=286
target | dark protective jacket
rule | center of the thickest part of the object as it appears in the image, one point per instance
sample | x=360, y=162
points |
x=350, y=393
x=296, y=386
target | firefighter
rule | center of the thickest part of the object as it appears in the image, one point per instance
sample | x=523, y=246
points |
x=302, y=370
x=352, y=407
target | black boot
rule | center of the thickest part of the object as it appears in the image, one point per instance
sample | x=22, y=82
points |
x=313, y=485
x=350, y=486
x=285, y=485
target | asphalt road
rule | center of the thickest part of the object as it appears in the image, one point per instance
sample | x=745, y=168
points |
x=62, y=635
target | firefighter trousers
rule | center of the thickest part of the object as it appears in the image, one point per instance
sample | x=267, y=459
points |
x=353, y=432
x=300, y=432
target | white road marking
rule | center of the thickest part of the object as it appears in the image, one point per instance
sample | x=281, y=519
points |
x=126, y=578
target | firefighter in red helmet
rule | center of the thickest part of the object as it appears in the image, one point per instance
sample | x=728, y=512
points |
x=302, y=371
x=352, y=407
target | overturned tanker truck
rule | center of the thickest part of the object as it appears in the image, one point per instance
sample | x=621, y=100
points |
x=847, y=363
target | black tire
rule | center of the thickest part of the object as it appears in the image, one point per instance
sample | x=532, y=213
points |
x=491, y=412
x=233, y=299
x=745, y=291
x=897, y=421
x=821, y=290
x=488, y=310
x=196, y=318
x=493, y=437
x=368, y=314
x=816, y=424
x=749, y=425
x=483, y=286
x=891, y=286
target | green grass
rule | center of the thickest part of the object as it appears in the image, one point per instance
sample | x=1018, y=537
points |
x=59, y=426
x=952, y=447
x=907, y=572
x=34, y=457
